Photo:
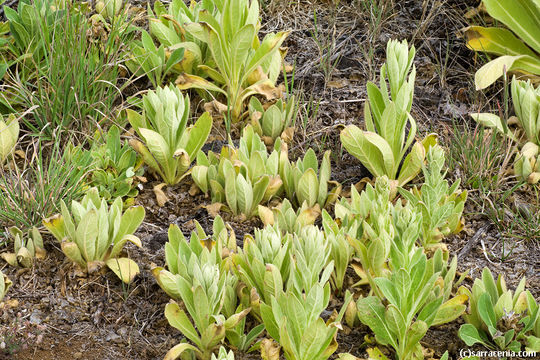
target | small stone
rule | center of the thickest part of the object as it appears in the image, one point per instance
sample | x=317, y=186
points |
x=112, y=336
x=77, y=355
x=122, y=331
x=35, y=317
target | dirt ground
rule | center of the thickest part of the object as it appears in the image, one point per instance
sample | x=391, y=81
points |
x=99, y=318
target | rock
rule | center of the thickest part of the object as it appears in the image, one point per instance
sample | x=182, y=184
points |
x=35, y=317
x=112, y=336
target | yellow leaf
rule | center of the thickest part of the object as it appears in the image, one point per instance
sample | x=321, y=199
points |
x=178, y=350
x=269, y=350
x=126, y=269
x=266, y=215
x=533, y=178
x=256, y=76
x=10, y=258
x=309, y=215
x=497, y=41
x=376, y=354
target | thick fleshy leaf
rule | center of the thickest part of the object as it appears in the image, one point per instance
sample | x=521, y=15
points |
x=415, y=333
x=161, y=151
x=371, y=149
x=167, y=282
x=494, y=69
x=163, y=33
x=412, y=164
x=308, y=188
x=373, y=353
x=147, y=156
x=10, y=258
x=268, y=46
x=176, y=351
x=179, y=320
x=470, y=335
x=521, y=16
x=86, y=235
x=130, y=222
x=9, y=135
x=451, y=310
x=199, y=174
x=25, y=258
x=71, y=250
x=5, y=284
x=198, y=135
x=497, y=41
x=371, y=312
x=259, y=189
x=126, y=269
x=117, y=248
x=244, y=195
x=55, y=225
x=240, y=46
x=136, y=120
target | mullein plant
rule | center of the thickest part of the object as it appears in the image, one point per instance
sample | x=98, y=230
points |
x=25, y=249
x=441, y=205
x=205, y=249
x=170, y=145
x=93, y=235
x=202, y=297
x=167, y=26
x=267, y=248
x=286, y=218
x=221, y=55
x=366, y=218
x=223, y=355
x=241, y=65
x=292, y=316
x=498, y=319
x=516, y=45
x=306, y=182
x=243, y=177
x=526, y=100
x=274, y=121
x=201, y=280
x=410, y=297
x=341, y=252
x=387, y=148
x=311, y=263
x=237, y=337
x=239, y=298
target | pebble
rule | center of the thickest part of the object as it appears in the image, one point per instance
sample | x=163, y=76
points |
x=35, y=317
x=112, y=336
